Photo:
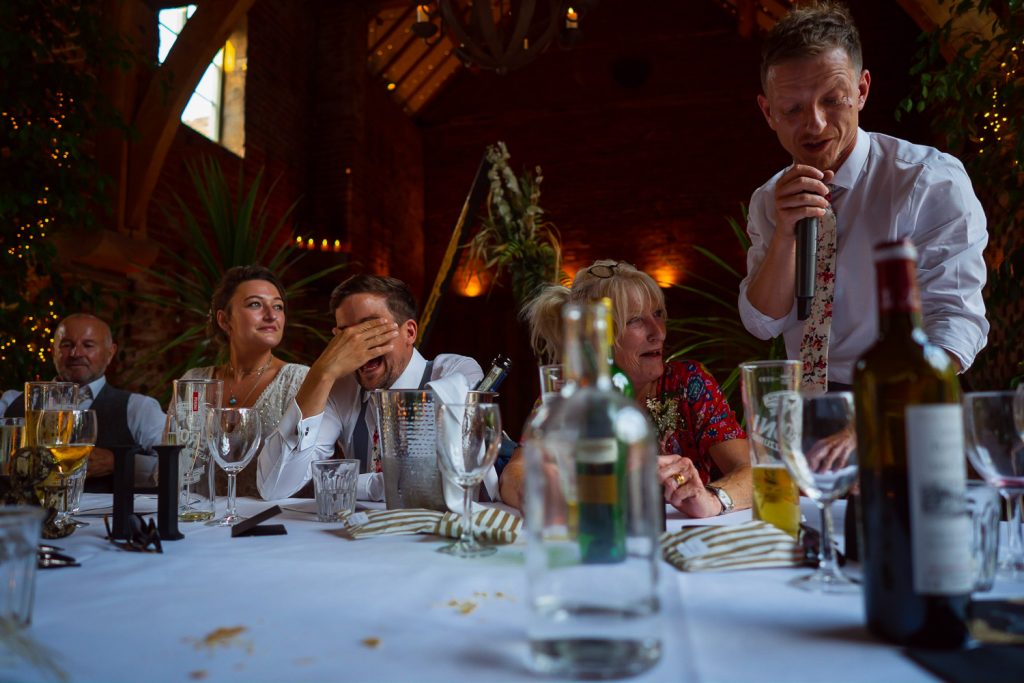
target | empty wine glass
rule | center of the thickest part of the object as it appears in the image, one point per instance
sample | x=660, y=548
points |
x=819, y=446
x=233, y=437
x=994, y=438
x=468, y=437
x=69, y=436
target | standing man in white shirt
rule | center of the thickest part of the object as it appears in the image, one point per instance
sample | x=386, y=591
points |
x=82, y=349
x=880, y=188
x=373, y=348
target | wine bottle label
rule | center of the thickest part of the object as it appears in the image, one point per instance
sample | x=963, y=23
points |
x=596, y=482
x=940, y=528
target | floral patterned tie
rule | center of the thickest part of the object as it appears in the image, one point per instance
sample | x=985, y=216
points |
x=817, y=328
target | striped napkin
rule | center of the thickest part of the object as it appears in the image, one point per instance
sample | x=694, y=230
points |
x=495, y=526
x=751, y=545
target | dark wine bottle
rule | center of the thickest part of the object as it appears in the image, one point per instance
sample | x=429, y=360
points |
x=916, y=533
x=495, y=375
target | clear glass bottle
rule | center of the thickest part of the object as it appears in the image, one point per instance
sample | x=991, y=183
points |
x=915, y=529
x=593, y=509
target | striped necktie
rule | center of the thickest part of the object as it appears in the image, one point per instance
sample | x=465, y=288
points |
x=818, y=327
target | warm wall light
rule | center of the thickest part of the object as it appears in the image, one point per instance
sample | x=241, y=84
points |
x=665, y=275
x=469, y=280
x=571, y=19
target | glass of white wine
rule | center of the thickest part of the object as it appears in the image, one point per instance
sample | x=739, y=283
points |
x=69, y=436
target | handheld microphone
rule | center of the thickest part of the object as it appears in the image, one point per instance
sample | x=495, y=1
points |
x=806, y=264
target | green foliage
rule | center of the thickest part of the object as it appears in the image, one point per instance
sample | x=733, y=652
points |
x=513, y=236
x=975, y=101
x=50, y=54
x=717, y=337
x=234, y=232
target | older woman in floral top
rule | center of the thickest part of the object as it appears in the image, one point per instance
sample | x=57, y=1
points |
x=704, y=465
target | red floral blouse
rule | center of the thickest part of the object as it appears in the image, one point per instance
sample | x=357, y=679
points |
x=704, y=416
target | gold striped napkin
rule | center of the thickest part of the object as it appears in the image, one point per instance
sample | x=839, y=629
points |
x=751, y=545
x=495, y=526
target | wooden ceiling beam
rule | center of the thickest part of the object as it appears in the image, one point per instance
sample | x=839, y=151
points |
x=159, y=113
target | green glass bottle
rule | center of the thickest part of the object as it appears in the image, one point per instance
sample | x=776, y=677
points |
x=620, y=380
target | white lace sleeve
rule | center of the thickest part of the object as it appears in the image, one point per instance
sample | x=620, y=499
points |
x=278, y=396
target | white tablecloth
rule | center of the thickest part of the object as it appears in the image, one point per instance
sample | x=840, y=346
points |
x=313, y=606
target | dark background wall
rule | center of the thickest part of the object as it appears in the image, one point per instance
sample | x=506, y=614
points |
x=649, y=136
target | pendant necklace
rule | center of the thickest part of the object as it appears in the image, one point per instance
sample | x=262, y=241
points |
x=233, y=400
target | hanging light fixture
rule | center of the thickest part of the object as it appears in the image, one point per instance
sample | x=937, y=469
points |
x=501, y=35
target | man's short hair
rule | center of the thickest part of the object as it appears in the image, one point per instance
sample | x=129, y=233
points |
x=400, y=300
x=808, y=31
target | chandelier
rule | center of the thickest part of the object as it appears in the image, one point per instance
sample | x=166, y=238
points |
x=500, y=35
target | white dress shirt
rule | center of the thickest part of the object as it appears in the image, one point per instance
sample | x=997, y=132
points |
x=888, y=189
x=145, y=421
x=283, y=465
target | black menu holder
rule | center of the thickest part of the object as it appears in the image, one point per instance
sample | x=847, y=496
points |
x=124, y=491
x=167, y=493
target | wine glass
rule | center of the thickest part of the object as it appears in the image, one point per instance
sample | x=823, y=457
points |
x=994, y=437
x=819, y=446
x=69, y=436
x=468, y=437
x=233, y=436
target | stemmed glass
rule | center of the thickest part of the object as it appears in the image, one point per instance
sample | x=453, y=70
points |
x=468, y=437
x=69, y=436
x=819, y=446
x=233, y=436
x=994, y=437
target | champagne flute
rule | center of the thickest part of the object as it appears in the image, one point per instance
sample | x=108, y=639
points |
x=819, y=446
x=468, y=437
x=994, y=437
x=69, y=436
x=233, y=436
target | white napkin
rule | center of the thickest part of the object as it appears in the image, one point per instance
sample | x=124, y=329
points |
x=370, y=486
x=453, y=389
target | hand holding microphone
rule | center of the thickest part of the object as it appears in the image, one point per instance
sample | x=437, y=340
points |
x=806, y=264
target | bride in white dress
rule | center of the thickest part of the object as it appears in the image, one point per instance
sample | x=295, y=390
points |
x=247, y=314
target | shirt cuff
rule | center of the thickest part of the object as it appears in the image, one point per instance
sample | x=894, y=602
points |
x=297, y=432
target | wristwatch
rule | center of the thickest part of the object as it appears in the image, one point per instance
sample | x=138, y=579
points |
x=723, y=497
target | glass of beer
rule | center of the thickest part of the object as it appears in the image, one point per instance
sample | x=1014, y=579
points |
x=776, y=498
x=11, y=429
x=45, y=396
x=69, y=436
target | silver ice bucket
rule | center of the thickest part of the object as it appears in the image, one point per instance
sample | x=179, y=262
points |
x=408, y=443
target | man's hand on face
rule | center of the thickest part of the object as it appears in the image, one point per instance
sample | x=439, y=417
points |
x=354, y=345
x=800, y=193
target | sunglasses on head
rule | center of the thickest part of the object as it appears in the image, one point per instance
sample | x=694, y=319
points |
x=606, y=271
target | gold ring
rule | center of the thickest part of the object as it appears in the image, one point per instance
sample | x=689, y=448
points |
x=680, y=479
